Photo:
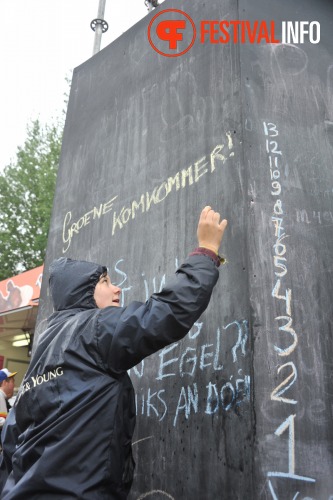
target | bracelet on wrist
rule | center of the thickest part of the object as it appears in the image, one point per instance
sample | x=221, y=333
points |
x=218, y=259
x=221, y=258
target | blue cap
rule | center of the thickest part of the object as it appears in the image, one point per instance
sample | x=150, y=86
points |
x=4, y=373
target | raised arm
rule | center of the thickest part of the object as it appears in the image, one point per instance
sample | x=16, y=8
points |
x=128, y=335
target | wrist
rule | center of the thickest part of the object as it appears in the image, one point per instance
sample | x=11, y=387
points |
x=221, y=259
x=209, y=247
x=217, y=259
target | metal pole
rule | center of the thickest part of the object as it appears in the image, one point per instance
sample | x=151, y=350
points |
x=99, y=28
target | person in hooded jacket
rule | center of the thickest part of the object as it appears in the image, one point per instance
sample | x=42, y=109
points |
x=70, y=430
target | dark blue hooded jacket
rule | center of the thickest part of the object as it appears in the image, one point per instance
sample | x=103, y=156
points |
x=69, y=433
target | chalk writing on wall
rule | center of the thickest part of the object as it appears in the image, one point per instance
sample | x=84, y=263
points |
x=282, y=296
x=188, y=361
x=142, y=204
x=324, y=218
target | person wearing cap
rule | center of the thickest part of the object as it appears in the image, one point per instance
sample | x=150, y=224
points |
x=7, y=385
x=69, y=434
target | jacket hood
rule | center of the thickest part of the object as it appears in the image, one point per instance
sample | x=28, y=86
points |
x=72, y=283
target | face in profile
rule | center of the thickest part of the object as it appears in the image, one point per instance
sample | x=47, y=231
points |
x=106, y=294
x=8, y=386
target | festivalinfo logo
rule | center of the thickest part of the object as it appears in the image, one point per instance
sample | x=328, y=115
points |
x=172, y=32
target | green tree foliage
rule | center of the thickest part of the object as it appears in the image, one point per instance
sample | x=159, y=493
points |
x=26, y=195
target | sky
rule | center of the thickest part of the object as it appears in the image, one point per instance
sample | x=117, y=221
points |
x=41, y=42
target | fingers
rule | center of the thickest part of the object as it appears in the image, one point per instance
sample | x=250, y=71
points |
x=205, y=212
x=223, y=224
x=209, y=215
x=216, y=217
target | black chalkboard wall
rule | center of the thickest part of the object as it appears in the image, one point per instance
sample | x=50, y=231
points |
x=241, y=408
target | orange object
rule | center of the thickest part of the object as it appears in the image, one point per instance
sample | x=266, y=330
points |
x=21, y=290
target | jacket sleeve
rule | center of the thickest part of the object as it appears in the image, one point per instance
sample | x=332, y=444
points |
x=127, y=335
x=9, y=437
